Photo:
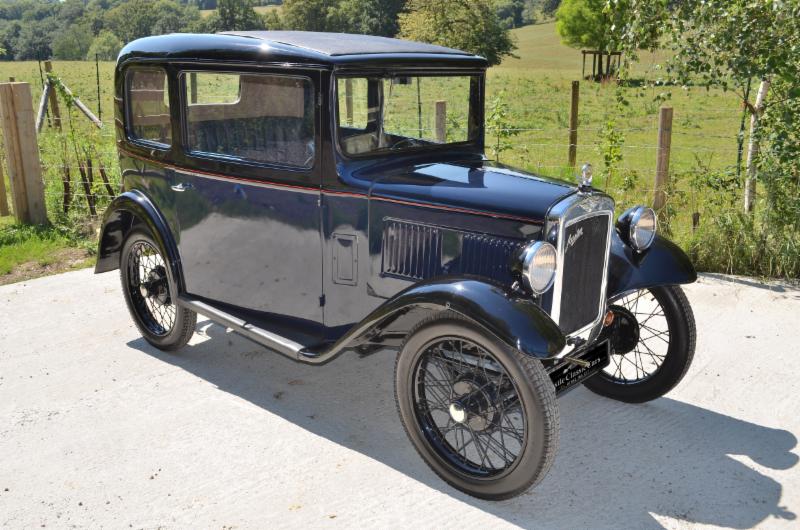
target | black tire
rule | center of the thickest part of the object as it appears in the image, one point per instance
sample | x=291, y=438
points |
x=671, y=361
x=162, y=323
x=528, y=396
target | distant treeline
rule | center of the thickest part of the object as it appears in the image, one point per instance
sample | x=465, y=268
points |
x=80, y=29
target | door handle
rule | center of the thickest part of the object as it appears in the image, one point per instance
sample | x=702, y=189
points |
x=183, y=186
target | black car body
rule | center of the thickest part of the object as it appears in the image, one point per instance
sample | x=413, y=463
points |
x=311, y=234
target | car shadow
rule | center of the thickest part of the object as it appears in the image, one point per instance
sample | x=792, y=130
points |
x=618, y=465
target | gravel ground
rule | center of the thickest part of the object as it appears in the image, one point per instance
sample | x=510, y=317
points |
x=100, y=430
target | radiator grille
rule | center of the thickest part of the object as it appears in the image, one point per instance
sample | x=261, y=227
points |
x=583, y=268
x=417, y=252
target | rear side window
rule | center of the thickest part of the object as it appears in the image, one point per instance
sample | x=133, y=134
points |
x=252, y=117
x=148, y=106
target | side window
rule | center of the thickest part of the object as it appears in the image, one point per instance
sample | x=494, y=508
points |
x=253, y=117
x=354, y=111
x=148, y=106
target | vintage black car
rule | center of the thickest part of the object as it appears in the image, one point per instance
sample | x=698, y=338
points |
x=323, y=193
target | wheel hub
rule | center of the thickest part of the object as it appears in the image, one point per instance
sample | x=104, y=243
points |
x=624, y=331
x=473, y=403
x=155, y=286
x=458, y=413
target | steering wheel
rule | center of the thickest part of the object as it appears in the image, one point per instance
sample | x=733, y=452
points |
x=405, y=142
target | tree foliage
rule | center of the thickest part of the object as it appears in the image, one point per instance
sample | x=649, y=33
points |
x=307, y=15
x=735, y=45
x=39, y=29
x=587, y=24
x=716, y=42
x=469, y=25
x=105, y=46
x=237, y=15
x=514, y=13
x=368, y=17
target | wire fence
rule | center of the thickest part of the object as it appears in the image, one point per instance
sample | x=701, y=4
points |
x=535, y=135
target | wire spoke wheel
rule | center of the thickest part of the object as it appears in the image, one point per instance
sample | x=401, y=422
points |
x=148, y=288
x=650, y=351
x=469, y=407
x=482, y=414
x=652, y=345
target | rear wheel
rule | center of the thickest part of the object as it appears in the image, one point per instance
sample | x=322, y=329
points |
x=482, y=415
x=653, y=342
x=146, y=284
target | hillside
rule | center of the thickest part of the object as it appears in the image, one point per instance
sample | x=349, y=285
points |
x=540, y=48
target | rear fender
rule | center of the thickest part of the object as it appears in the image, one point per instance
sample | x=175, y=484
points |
x=126, y=212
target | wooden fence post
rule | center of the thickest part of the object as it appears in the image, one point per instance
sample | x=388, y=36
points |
x=193, y=88
x=48, y=67
x=662, y=162
x=573, y=124
x=348, y=101
x=3, y=199
x=22, y=151
x=441, y=121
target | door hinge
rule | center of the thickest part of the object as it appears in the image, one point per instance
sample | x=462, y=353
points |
x=322, y=301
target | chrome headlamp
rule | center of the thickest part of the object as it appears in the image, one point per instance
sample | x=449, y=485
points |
x=637, y=227
x=538, y=262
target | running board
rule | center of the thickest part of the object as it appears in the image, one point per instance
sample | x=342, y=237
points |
x=261, y=336
x=319, y=354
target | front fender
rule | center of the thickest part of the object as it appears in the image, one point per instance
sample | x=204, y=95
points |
x=515, y=320
x=664, y=263
x=127, y=211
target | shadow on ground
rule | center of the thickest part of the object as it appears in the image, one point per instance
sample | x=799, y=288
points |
x=617, y=463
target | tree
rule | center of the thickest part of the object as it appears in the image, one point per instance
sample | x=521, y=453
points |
x=72, y=42
x=135, y=19
x=549, y=7
x=308, y=15
x=585, y=24
x=34, y=38
x=368, y=17
x=725, y=43
x=513, y=13
x=469, y=25
x=105, y=46
x=238, y=15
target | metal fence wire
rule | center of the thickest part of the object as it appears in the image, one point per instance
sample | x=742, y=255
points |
x=626, y=152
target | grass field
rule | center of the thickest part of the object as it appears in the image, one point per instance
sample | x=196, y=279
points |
x=535, y=87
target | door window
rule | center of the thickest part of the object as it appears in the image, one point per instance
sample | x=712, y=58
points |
x=148, y=106
x=252, y=117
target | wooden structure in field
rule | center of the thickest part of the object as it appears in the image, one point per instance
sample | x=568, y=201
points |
x=612, y=62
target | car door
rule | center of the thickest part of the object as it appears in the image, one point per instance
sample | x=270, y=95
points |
x=247, y=190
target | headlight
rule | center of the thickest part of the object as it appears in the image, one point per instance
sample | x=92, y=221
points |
x=637, y=227
x=539, y=266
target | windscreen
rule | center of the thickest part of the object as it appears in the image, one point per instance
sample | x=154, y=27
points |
x=382, y=114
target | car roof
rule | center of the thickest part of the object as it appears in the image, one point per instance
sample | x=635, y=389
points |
x=338, y=44
x=298, y=47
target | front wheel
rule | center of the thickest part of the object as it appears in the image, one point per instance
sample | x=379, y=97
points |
x=482, y=415
x=652, y=345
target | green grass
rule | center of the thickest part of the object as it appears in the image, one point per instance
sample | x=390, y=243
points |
x=21, y=244
x=536, y=88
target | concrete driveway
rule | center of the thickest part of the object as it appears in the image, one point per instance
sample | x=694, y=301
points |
x=98, y=429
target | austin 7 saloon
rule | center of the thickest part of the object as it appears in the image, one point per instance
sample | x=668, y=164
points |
x=325, y=193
